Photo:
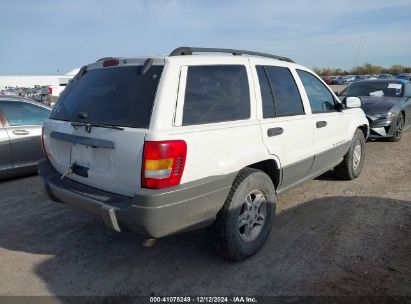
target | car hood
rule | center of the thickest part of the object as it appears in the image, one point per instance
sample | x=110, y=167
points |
x=375, y=105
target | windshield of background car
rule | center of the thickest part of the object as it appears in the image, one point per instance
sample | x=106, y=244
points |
x=376, y=89
x=119, y=96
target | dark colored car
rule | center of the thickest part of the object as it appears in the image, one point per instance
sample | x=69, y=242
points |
x=21, y=121
x=404, y=76
x=327, y=79
x=386, y=103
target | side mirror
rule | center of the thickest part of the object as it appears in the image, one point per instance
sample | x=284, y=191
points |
x=337, y=93
x=352, y=102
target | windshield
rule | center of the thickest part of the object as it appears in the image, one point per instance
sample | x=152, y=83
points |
x=376, y=89
x=118, y=96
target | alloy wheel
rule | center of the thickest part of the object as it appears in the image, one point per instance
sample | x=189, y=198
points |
x=357, y=155
x=252, y=216
x=399, y=127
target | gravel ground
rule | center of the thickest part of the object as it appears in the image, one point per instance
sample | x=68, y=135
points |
x=330, y=237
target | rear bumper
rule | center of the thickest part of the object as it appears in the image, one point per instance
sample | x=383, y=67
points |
x=156, y=213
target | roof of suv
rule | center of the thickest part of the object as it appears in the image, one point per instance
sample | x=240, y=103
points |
x=193, y=52
x=194, y=55
x=184, y=51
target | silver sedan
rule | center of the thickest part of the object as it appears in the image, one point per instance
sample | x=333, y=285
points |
x=21, y=121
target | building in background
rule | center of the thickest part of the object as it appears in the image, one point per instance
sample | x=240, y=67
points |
x=55, y=83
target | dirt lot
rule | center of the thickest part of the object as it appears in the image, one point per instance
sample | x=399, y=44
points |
x=337, y=87
x=330, y=237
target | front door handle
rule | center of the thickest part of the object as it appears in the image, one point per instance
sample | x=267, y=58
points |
x=321, y=124
x=274, y=131
x=20, y=132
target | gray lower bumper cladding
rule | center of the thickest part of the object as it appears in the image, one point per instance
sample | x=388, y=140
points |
x=155, y=213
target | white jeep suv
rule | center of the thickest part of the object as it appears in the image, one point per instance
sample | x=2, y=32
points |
x=167, y=144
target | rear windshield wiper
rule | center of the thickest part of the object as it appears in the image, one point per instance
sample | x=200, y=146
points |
x=88, y=126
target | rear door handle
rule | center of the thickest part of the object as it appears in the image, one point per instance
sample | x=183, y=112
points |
x=321, y=124
x=20, y=132
x=274, y=131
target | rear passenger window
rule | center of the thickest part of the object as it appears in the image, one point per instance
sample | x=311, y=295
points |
x=216, y=93
x=266, y=94
x=320, y=98
x=285, y=98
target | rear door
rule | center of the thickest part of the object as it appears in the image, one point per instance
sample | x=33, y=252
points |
x=23, y=125
x=287, y=129
x=330, y=126
x=99, y=124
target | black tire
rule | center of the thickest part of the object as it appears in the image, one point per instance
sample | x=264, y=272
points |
x=347, y=170
x=399, y=129
x=225, y=235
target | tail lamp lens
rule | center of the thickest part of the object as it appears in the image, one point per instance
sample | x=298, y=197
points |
x=163, y=163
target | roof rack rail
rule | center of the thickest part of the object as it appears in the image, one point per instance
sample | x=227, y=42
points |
x=190, y=50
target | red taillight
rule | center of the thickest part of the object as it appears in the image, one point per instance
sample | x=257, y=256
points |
x=50, y=90
x=110, y=62
x=163, y=163
x=42, y=144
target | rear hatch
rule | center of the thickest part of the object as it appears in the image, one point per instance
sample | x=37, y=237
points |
x=99, y=124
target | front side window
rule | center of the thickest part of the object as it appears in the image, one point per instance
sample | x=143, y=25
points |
x=23, y=114
x=216, y=93
x=320, y=98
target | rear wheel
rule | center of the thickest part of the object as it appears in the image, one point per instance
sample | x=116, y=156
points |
x=399, y=128
x=351, y=166
x=245, y=221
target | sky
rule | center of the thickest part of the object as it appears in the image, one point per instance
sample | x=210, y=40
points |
x=55, y=36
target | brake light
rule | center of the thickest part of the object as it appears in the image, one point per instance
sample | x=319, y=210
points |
x=163, y=163
x=110, y=62
x=50, y=90
x=42, y=144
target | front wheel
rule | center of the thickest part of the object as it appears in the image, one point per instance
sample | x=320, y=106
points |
x=399, y=128
x=245, y=221
x=351, y=166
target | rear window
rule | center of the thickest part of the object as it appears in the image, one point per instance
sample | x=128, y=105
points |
x=216, y=93
x=119, y=96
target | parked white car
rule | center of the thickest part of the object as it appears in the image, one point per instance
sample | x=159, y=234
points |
x=344, y=80
x=168, y=144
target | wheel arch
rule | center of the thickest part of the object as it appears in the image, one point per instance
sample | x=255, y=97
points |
x=365, y=130
x=271, y=168
x=403, y=114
